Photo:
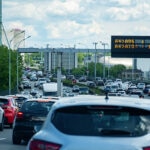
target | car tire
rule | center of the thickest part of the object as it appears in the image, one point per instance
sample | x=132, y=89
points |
x=2, y=124
x=16, y=139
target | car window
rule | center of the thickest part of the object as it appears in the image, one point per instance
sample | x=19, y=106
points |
x=3, y=101
x=36, y=107
x=102, y=121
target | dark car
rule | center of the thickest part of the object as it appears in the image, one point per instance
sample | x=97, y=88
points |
x=26, y=85
x=83, y=90
x=30, y=118
x=146, y=89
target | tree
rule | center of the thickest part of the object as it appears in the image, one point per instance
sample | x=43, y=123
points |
x=116, y=70
x=4, y=67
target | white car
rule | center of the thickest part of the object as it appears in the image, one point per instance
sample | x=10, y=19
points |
x=1, y=119
x=88, y=122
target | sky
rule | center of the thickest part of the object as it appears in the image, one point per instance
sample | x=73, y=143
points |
x=80, y=23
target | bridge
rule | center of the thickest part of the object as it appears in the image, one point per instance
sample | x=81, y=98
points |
x=62, y=50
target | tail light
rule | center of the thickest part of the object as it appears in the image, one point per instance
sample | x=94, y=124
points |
x=146, y=148
x=19, y=115
x=42, y=145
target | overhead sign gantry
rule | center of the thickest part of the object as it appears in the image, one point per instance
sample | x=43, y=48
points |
x=130, y=46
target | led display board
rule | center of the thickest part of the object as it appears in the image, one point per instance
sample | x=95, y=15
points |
x=130, y=46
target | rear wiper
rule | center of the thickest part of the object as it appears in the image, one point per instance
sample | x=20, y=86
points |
x=114, y=132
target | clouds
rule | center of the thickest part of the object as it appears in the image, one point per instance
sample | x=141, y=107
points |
x=72, y=21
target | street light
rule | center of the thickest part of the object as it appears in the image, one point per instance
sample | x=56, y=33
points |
x=10, y=59
x=95, y=44
x=104, y=44
x=18, y=44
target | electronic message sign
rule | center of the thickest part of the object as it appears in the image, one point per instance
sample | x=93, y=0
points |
x=130, y=46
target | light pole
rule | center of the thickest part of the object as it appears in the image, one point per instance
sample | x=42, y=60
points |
x=104, y=44
x=95, y=44
x=18, y=44
x=10, y=59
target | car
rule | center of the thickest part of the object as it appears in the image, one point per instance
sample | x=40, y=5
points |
x=137, y=91
x=20, y=99
x=99, y=82
x=131, y=89
x=86, y=122
x=75, y=88
x=141, y=85
x=83, y=90
x=10, y=108
x=26, y=84
x=35, y=93
x=91, y=84
x=82, y=79
x=146, y=89
x=2, y=118
x=30, y=118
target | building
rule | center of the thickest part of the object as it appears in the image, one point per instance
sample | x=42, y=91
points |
x=68, y=61
x=133, y=74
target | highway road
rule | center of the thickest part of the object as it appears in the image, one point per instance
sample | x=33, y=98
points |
x=6, y=142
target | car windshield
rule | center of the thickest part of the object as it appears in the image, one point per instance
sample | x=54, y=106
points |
x=102, y=121
x=3, y=101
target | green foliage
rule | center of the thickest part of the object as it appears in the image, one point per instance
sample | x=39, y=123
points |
x=4, y=67
x=116, y=70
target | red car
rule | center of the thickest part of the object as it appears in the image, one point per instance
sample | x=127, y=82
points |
x=10, y=109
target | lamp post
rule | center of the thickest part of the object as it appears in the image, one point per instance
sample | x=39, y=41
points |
x=10, y=59
x=18, y=44
x=95, y=44
x=104, y=44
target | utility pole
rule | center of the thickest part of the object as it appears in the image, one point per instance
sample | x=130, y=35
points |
x=0, y=22
x=95, y=44
x=104, y=70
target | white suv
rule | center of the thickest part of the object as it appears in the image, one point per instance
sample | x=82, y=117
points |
x=1, y=119
x=88, y=122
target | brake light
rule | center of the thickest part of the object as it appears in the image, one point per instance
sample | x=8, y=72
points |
x=42, y=145
x=146, y=148
x=19, y=115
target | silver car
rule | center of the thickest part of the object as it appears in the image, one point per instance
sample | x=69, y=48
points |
x=88, y=122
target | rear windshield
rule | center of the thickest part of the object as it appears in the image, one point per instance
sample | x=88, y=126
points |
x=3, y=101
x=102, y=121
x=50, y=93
x=36, y=107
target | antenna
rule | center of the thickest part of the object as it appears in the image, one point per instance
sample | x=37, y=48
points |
x=106, y=94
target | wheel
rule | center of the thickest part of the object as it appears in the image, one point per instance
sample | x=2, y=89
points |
x=2, y=124
x=15, y=139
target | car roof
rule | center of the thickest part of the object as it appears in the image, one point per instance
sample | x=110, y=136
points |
x=48, y=99
x=101, y=100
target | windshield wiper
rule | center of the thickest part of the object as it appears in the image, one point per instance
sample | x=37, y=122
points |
x=114, y=132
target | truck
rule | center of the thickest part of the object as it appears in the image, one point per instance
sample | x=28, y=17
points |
x=50, y=89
